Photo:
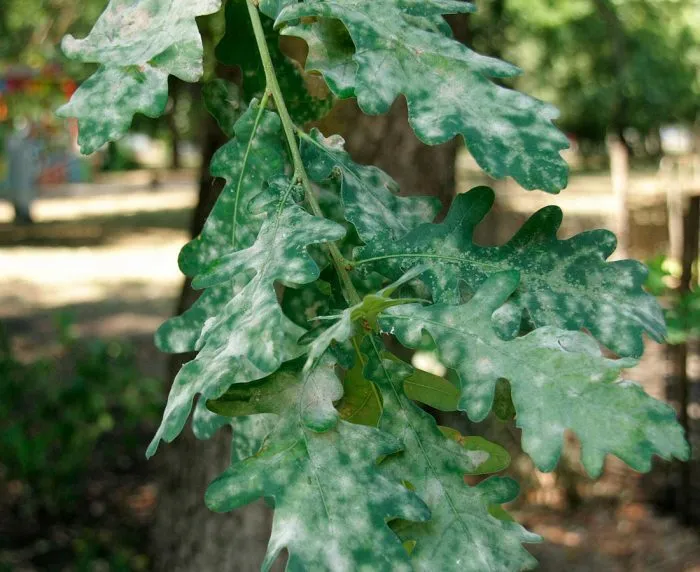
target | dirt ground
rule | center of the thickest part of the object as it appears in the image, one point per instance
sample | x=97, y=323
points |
x=107, y=255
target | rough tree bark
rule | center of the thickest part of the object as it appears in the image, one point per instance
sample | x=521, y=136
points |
x=186, y=535
x=174, y=89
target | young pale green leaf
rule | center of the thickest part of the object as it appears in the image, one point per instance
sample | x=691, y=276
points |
x=246, y=163
x=365, y=313
x=431, y=390
x=447, y=86
x=559, y=380
x=251, y=337
x=331, y=503
x=138, y=44
x=461, y=534
x=564, y=283
x=498, y=456
x=369, y=195
x=238, y=47
x=361, y=402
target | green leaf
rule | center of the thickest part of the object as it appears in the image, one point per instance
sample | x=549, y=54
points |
x=331, y=503
x=498, y=457
x=272, y=394
x=369, y=195
x=224, y=102
x=205, y=423
x=246, y=163
x=331, y=51
x=361, y=403
x=431, y=390
x=331, y=48
x=272, y=8
x=683, y=317
x=312, y=395
x=564, y=283
x=503, y=406
x=321, y=389
x=447, y=86
x=138, y=44
x=461, y=534
x=559, y=380
x=106, y=103
x=251, y=337
x=248, y=432
x=365, y=313
x=304, y=305
x=249, y=435
x=238, y=47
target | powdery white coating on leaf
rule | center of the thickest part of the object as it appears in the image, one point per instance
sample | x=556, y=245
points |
x=369, y=195
x=559, y=380
x=133, y=33
x=138, y=44
x=107, y=101
x=251, y=337
x=564, y=283
x=249, y=433
x=321, y=389
x=331, y=503
x=461, y=534
x=339, y=331
x=246, y=163
x=447, y=87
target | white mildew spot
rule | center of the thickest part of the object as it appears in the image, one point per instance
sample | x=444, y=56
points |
x=484, y=365
x=478, y=457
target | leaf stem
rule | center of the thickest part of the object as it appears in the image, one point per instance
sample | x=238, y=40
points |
x=299, y=171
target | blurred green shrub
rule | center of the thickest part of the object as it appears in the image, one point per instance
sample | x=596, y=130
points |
x=681, y=309
x=55, y=411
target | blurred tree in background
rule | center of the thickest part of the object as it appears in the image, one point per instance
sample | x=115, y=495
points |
x=604, y=63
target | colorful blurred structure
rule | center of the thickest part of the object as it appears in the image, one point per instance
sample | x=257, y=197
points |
x=38, y=149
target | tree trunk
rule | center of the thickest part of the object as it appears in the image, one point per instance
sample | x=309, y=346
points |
x=388, y=142
x=175, y=139
x=186, y=535
x=619, y=151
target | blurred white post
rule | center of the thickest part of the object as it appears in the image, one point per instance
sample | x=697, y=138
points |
x=619, y=175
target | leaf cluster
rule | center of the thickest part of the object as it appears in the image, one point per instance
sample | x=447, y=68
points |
x=310, y=261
